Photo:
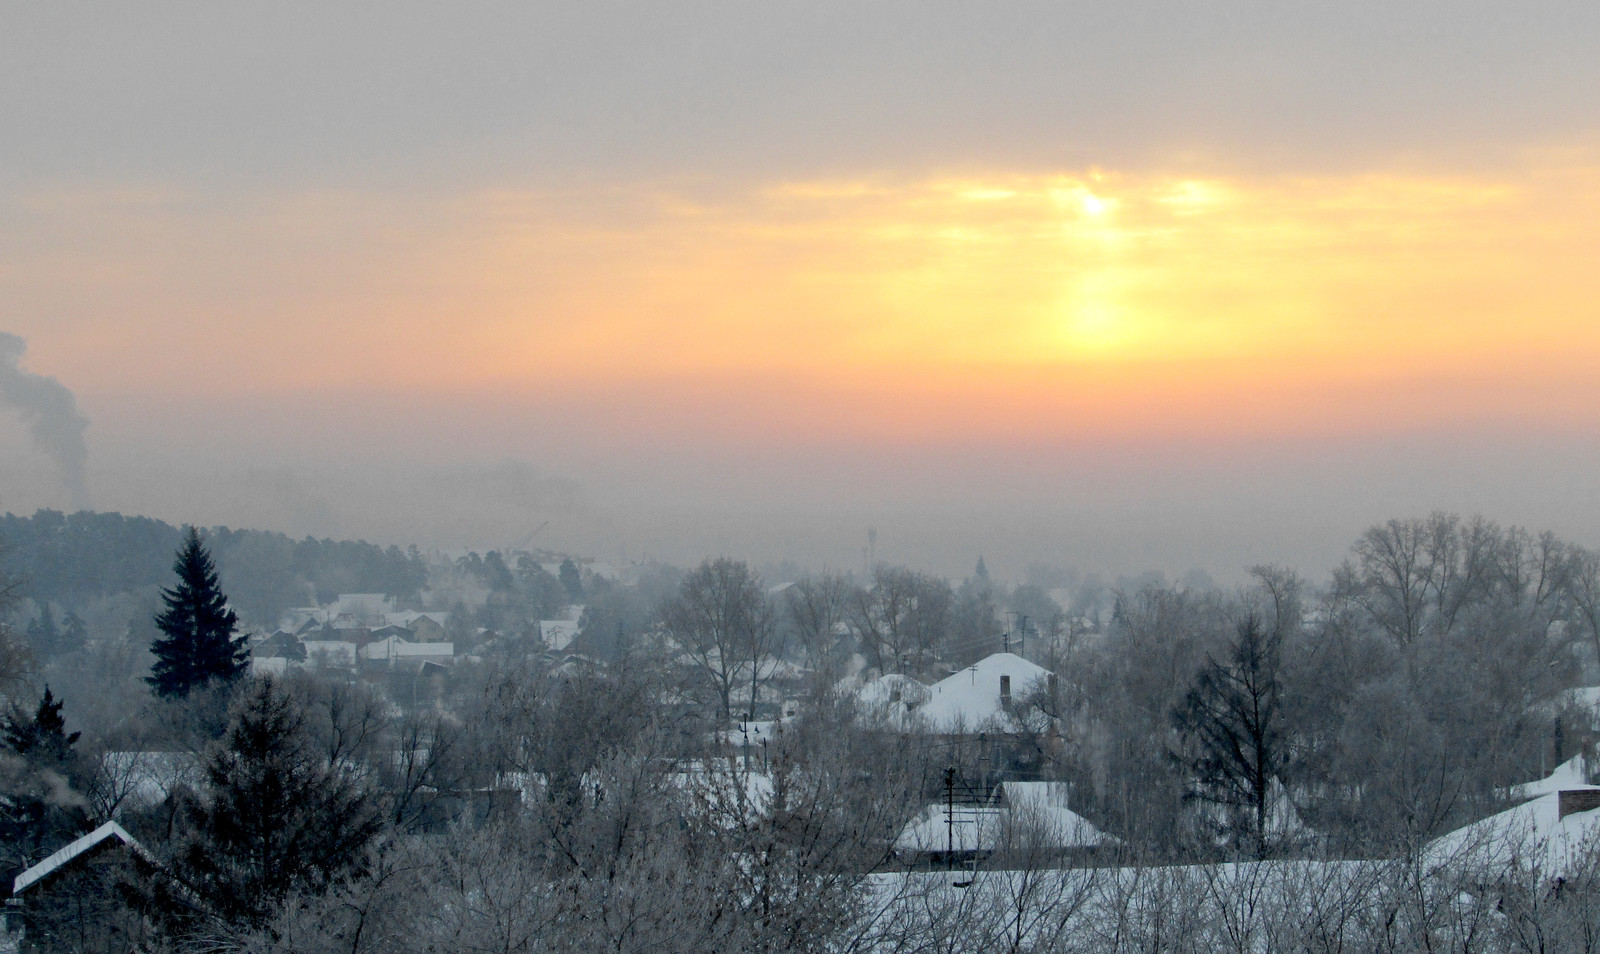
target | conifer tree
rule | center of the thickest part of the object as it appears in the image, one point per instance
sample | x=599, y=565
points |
x=43, y=738
x=74, y=634
x=572, y=579
x=274, y=818
x=198, y=644
x=1232, y=722
x=42, y=633
x=39, y=811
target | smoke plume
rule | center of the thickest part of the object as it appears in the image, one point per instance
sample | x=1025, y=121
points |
x=51, y=413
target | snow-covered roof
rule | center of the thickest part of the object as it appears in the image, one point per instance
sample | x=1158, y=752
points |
x=893, y=688
x=393, y=647
x=970, y=699
x=558, y=634
x=1536, y=835
x=962, y=828
x=270, y=665
x=1031, y=813
x=1571, y=774
x=1584, y=697
x=335, y=651
x=54, y=863
x=728, y=795
x=408, y=618
x=887, y=700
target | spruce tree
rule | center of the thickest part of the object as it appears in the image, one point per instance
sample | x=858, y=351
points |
x=274, y=818
x=74, y=634
x=198, y=644
x=43, y=737
x=42, y=633
x=38, y=812
x=571, y=579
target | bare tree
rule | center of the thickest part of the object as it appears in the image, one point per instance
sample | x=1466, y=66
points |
x=1583, y=590
x=1416, y=576
x=816, y=607
x=722, y=620
x=424, y=762
x=1284, y=597
x=1395, y=573
x=347, y=720
x=903, y=619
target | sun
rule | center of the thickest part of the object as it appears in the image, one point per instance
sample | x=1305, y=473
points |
x=1096, y=329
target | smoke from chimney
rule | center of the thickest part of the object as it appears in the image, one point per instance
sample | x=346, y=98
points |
x=51, y=413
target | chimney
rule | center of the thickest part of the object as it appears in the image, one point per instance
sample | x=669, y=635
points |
x=1572, y=801
x=1005, y=691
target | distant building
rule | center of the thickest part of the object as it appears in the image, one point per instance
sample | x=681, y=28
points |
x=423, y=627
x=282, y=644
x=985, y=697
x=392, y=652
x=1023, y=820
x=330, y=654
x=558, y=634
x=368, y=609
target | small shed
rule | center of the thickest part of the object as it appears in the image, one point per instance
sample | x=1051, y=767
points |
x=69, y=901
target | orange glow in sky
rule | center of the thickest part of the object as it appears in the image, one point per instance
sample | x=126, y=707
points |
x=1071, y=305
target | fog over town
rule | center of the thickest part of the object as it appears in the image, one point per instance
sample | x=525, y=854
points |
x=800, y=477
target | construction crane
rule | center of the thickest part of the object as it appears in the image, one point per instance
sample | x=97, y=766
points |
x=528, y=539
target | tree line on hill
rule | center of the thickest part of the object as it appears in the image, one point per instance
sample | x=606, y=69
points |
x=72, y=559
x=522, y=802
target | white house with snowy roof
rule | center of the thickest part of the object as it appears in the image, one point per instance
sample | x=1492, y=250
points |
x=1018, y=818
x=983, y=697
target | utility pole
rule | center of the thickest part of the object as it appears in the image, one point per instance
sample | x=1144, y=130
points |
x=950, y=818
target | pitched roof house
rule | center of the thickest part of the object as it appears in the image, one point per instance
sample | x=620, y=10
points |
x=982, y=697
x=68, y=901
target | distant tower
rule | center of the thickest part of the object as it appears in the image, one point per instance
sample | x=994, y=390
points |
x=872, y=549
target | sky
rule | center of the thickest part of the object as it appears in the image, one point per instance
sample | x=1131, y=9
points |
x=1119, y=286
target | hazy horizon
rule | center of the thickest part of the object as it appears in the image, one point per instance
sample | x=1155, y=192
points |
x=1118, y=287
